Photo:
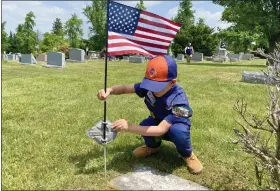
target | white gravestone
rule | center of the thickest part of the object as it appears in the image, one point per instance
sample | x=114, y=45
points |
x=256, y=78
x=92, y=55
x=235, y=56
x=208, y=58
x=233, y=59
x=4, y=56
x=221, y=54
x=147, y=178
x=216, y=59
x=248, y=56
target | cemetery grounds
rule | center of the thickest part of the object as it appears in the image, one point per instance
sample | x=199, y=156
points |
x=46, y=112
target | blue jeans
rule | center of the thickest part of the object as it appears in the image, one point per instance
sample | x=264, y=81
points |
x=178, y=133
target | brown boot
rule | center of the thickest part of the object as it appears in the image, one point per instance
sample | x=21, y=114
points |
x=144, y=151
x=194, y=165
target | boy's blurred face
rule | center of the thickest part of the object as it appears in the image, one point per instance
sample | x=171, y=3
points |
x=166, y=89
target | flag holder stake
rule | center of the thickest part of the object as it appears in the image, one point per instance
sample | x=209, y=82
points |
x=105, y=87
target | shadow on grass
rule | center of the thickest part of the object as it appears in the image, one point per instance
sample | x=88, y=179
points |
x=226, y=65
x=122, y=160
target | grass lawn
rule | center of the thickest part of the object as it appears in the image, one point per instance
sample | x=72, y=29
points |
x=46, y=112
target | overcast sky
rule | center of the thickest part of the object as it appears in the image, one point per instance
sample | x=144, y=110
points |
x=13, y=12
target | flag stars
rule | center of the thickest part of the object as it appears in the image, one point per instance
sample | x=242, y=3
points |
x=123, y=19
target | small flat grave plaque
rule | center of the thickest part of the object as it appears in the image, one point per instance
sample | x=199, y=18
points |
x=147, y=178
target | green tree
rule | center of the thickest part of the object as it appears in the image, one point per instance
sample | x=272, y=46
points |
x=11, y=48
x=140, y=5
x=74, y=31
x=186, y=18
x=18, y=40
x=29, y=35
x=64, y=47
x=203, y=38
x=92, y=44
x=51, y=42
x=241, y=41
x=254, y=16
x=13, y=44
x=19, y=28
x=86, y=43
x=57, y=27
x=185, y=14
x=96, y=15
x=4, y=38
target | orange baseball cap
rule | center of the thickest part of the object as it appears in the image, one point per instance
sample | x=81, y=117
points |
x=159, y=72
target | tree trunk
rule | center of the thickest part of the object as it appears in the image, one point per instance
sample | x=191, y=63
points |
x=276, y=171
x=272, y=45
x=272, y=42
x=278, y=145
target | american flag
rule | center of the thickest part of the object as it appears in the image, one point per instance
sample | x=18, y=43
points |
x=132, y=31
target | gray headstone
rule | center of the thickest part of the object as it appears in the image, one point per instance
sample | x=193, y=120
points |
x=76, y=54
x=11, y=57
x=148, y=58
x=112, y=58
x=256, y=78
x=42, y=57
x=136, y=59
x=147, y=178
x=27, y=59
x=197, y=56
x=180, y=57
x=233, y=59
x=125, y=58
x=55, y=59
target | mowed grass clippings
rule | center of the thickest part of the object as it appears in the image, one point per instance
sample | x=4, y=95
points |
x=46, y=112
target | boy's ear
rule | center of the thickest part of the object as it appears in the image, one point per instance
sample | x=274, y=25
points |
x=173, y=82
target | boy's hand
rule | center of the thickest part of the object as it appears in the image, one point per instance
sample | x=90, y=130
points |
x=120, y=125
x=101, y=95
